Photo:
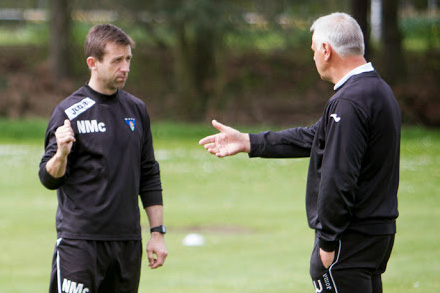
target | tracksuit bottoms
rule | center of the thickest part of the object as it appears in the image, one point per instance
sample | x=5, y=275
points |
x=89, y=266
x=359, y=262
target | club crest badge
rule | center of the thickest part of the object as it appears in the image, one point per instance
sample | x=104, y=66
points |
x=131, y=122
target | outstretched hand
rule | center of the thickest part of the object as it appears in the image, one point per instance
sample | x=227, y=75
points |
x=228, y=142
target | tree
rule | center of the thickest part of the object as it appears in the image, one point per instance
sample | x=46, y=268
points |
x=360, y=12
x=198, y=27
x=195, y=65
x=60, y=38
x=393, y=60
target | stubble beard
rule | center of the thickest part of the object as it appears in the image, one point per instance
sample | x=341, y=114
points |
x=115, y=85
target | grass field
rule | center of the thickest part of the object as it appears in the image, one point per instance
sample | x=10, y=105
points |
x=250, y=212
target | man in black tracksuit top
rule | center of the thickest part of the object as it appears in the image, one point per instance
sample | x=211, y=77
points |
x=112, y=135
x=351, y=197
x=100, y=158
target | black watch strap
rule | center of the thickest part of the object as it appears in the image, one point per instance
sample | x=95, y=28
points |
x=161, y=229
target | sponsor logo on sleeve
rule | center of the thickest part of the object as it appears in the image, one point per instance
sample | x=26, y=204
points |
x=73, y=111
x=335, y=116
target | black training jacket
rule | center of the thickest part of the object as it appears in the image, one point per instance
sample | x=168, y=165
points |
x=111, y=163
x=354, y=154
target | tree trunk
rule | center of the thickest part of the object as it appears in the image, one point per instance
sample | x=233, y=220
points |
x=186, y=98
x=204, y=64
x=60, y=38
x=393, y=61
x=195, y=68
x=359, y=11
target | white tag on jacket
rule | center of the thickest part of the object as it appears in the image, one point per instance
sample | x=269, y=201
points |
x=75, y=110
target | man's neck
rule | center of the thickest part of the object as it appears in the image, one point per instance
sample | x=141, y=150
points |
x=367, y=67
x=98, y=88
x=345, y=65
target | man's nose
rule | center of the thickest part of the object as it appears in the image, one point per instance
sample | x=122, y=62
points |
x=125, y=66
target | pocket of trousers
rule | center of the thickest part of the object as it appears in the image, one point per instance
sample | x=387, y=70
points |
x=321, y=277
x=316, y=266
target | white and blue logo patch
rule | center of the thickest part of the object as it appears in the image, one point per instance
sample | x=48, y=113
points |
x=131, y=122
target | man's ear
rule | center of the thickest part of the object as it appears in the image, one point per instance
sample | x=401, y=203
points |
x=328, y=51
x=91, y=63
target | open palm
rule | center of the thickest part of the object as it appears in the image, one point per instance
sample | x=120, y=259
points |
x=226, y=143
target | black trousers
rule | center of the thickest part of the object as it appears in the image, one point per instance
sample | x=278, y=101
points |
x=359, y=262
x=86, y=266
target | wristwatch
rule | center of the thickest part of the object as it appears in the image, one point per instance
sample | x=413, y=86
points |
x=161, y=229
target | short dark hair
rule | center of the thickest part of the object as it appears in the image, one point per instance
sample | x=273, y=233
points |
x=101, y=34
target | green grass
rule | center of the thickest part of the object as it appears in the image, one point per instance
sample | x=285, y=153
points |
x=22, y=130
x=250, y=212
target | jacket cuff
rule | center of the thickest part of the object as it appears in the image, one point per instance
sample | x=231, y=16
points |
x=48, y=180
x=328, y=246
x=151, y=198
x=256, y=145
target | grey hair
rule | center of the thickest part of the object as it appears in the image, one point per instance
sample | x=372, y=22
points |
x=341, y=31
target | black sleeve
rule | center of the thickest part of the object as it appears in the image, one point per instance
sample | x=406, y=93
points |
x=289, y=143
x=346, y=143
x=48, y=180
x=150, y=189
x=50, y=145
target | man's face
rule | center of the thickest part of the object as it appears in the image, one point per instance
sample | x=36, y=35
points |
x=112, y=70
x=320, y=61
x=317, y=57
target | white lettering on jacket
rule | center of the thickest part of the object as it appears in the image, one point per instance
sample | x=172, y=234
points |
x=73, y=287
x=78, y=108
x=90, y=126
x=318, y=289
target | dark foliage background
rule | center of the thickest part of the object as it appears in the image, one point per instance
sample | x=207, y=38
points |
x=242, y=62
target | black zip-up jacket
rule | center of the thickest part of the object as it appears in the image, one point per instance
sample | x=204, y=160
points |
x=111, y=163
x=354, y=154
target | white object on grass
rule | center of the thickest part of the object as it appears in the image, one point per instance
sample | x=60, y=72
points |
x=193, y=239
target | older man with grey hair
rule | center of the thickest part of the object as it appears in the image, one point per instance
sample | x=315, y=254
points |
x=354, y=150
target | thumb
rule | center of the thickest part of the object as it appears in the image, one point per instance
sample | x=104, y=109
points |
x=67, y=122
x=220, y=127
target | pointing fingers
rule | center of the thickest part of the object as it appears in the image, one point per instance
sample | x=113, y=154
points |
x=208, y=139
